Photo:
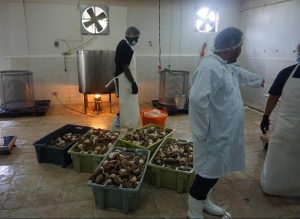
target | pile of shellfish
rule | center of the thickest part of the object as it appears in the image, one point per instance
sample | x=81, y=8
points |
x=64, y=140
x=98, y=141
x=147, y=135
x=175, y=154
x=120, y=169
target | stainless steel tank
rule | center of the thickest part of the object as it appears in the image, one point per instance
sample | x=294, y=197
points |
x=16, y=90
x=173, y=88
x=95, y=69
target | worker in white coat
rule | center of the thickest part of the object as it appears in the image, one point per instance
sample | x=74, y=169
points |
x=216, y=115
x=127, y=88
x=281, y=172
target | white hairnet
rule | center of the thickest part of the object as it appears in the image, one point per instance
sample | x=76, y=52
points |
x=132, y=32
x=228, y=39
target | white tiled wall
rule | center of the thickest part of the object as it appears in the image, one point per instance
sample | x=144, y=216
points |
x=267, y=68
x=49, y=75
x=271, y=35
x=29, y=29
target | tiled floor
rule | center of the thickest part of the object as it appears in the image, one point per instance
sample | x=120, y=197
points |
x=29, y=189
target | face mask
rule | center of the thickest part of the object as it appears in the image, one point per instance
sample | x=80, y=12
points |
x=298, y=58
x=132, y=43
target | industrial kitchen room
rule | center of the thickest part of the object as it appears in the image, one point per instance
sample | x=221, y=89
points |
x=149, y=109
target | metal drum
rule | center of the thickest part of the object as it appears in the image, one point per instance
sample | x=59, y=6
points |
x=95, y=69
x=173, y=88
x=16, y=90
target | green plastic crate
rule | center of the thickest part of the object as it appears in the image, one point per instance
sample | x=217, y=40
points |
x=152, y=148
x=83, y=162
x=168, y=177
x=125, y=199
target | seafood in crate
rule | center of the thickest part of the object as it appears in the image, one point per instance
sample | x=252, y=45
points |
x=121, y=169
x=116, y=182
x=148, y=137
x=53, y=147
x=172, y=165
x=92, y=148
x=64, y=140
x=98, y=141
x=175, y=154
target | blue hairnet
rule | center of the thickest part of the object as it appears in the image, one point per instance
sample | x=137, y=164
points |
x=228, y=39
x=132, y=32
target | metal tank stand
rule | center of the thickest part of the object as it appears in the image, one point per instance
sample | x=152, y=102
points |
x=85, y=103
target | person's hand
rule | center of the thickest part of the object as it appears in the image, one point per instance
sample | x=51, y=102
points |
x=265, y=123
x=134, y=88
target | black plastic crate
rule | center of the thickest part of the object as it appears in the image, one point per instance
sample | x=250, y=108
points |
x=50, y=154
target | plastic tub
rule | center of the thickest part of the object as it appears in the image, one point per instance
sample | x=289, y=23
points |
x=154, y=116
x=125, y=199
x=84, y=162
x=167, y=177
x=50, y=154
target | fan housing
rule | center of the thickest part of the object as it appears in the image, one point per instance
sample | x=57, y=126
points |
x=94, y=20
x=207, y=20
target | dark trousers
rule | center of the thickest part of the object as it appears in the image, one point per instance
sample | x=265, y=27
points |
x=201, y=187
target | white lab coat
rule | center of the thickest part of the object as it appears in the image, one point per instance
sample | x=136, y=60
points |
x=281, y=172
x=216, y=114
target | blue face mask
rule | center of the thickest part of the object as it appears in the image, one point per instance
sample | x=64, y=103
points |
x=298, y=58
x=132, y=43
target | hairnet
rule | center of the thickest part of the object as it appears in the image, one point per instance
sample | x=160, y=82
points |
x=228, y=39
x=132, y=32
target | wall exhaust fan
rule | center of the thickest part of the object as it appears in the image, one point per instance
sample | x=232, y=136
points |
x=207, y=20
x=94, y=20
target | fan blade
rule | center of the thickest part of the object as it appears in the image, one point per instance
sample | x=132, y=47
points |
x=88, y=23
x=210, y=23
x=207, y=22
x=90, y=11
x=202, y=27
x=101, y=16
x=98, y=26
x=213, y=29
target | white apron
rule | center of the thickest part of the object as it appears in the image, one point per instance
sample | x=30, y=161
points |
x=128, y=103
x=281, y=171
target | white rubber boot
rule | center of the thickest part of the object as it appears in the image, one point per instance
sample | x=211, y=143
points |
x=195, y=208
x=211, y=207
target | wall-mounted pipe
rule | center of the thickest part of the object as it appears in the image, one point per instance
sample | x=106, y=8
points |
x=26, y=28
